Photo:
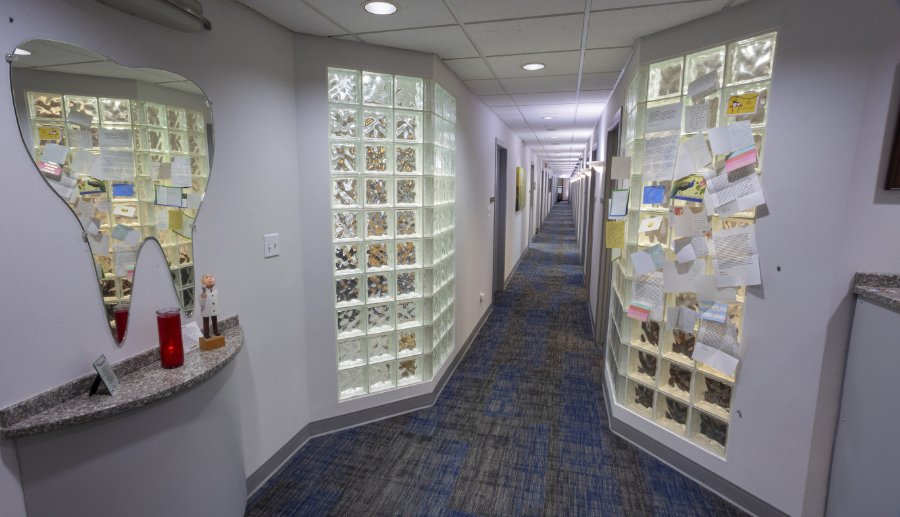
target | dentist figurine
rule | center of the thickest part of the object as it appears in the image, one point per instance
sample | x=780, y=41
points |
x=209, y=308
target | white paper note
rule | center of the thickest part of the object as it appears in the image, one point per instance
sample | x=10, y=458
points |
x=696, y=118
x=734, y=256
x=648, y=260
x=93, y=226
x=193, y=201
x=621, y=168
x=168, y=196
x=618, y=205
x=701, y=224
x=690, y=248
x=735, y=191
x=85, y=208
x=682, y=278
x=681, y=318
x=79, y=118
x=684, y=166
x=682, y=222
x=713, y=311
x=707, y=290
x=699, y=151
x=181, y=172
x=190, y=336
x=79, y=138
x=120, y=232
x=125, y=211
x=114, y=166
x=133, y=238
x=702, y=86
x=648, y=288
x=55, y=153
x=99, y=244
x=104, y=205
x=650, y=224
x=83, y=161
x=663, y=118
x=730, y=138
x=162, y=219
x=659, y=158
x=126, y=256
x=115, y=137
x=717, y=346
x=65, y=187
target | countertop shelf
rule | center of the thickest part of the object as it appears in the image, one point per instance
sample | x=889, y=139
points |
x=142, y=381
x=878, y=287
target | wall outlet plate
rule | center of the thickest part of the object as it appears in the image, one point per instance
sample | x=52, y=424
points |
x=271, y=248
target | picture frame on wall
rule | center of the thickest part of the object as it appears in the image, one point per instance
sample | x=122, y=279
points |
x=520, y=189
x=893, y=175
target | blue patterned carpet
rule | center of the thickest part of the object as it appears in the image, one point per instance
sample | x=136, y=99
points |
x=519, y=430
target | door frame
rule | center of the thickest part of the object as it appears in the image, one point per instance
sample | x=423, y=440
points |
x=501, y=166
x=613, y=145
x=592, y=200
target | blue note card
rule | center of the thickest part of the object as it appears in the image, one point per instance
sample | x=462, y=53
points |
x=654, y=194
x=123, y=190
x=713, y=311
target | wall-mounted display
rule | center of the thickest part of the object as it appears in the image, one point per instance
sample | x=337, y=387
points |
x=129, y=151
x=694, y=190
x=520, y=189
x=392, y=142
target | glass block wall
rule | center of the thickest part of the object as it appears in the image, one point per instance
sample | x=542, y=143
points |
x=392, y=142
x=652, y=370
x=159, y=133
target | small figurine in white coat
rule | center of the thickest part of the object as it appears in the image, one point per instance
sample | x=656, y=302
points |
x=209, y=305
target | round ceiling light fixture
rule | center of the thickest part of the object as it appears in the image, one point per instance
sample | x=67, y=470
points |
x=531, y=67
x=21, y=52
x=554, y=137
x=380, y=7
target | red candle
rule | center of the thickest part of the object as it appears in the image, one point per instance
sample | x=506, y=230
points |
x=121, y=313
x=171, y=349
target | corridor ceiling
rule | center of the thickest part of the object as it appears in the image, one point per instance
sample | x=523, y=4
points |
x=584, y=45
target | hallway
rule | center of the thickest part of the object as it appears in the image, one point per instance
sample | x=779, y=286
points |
x=519, y=429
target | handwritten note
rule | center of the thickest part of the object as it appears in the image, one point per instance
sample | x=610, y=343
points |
x=615, y=234
x=648, y=260
x=663, y=118
x=734, y=191
x=83, y=161
x=55, y=153
x=699, y=151
x=79, y=138
x=618, y=205
x=181, y=172
x=659, y=158
x=193, y=201
x=730, y=138
x=648, y=288
x=681, y=318
x=187, y=225
x=682, y=278
x=696, y=118
x=168, y=196
x=79, y=118
x=162, y=219
x=702, y=86
x=190, y=336
x=707, y=290
x=717, y=346
x=735, y=258
x=684, y=166
x=99, y=244
x=115, y=166
x=115, y=137
x=690, y=248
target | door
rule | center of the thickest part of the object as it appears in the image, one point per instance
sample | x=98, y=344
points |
x=592, y=200
x=531, y=223
x=500, y=220
x=604, y=271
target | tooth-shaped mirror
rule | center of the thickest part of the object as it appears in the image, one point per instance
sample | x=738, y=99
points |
x=128, y=149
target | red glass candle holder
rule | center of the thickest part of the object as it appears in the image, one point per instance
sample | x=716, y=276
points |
x=121, y=314
x=171, y=348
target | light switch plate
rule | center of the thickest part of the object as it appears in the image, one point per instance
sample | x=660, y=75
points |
x=271, y=245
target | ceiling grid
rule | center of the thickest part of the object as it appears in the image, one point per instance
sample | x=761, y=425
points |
x=584, y=45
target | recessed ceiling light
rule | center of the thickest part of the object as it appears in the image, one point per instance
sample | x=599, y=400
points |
x=533, y=66
x=548, y=118
x=554, y=137
x=21, y=52
x=380, y=7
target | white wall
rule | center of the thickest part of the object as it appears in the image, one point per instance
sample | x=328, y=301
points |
x=477, y=131
x=52, y=318
x=823, y=174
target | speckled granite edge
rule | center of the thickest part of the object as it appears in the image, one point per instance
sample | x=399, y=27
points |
x=142, y=381
x=864, y=283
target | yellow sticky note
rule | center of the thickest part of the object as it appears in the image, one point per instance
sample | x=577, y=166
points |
x=176, y=222
x=615, y=234
x=48, y=133
x=744, y=104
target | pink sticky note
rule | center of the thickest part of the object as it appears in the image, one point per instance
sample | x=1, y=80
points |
x=740, y=159
x=50, y=168
x=639, y=311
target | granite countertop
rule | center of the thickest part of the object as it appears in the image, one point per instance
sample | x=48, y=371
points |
x=142, y=380
x=878, y=287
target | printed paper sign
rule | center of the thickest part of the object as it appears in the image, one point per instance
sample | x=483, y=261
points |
x=621, y=168
x=615, y=234
x=107, y=375
x=743, y=104
x=663, y=118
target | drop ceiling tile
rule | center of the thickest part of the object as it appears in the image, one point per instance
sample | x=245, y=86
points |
x=549, y=108
x=591, y=107
x=594, y=96
x=560, y=83
x=446, y=42
x=505, y=110
x=497, y=100
x=528, y=36
x=557, y=63
x=350, y=14
x=602, y=5
x=605, y=81
x=513, y=120
x=346, y=37
x=621, y=27
x=469, y=11
x=295, y=16
x=485, y=87
x=469, y=69
x=605, y=60
x=524, y=99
